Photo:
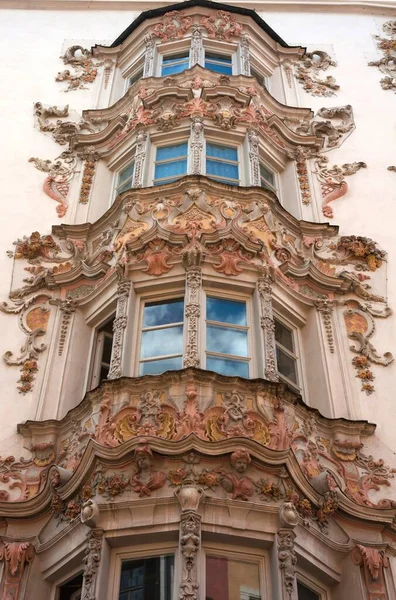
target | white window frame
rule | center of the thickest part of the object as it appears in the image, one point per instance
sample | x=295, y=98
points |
x=296, y=355
x=156, y=296
x=175, y=52
x=217, y=292
x=243, y=553
x=158, y=141
x=120, y=162
x=273, y=187
x=228, y=144
x=169, y=145
x=136, y=552
x=97, y=352
x=226, y=49
x=117, y=184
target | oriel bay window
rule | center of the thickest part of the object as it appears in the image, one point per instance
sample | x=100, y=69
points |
x=170, y=163
x=147, y=579
x=227, y=348
x=161, y=346
x=222, y=163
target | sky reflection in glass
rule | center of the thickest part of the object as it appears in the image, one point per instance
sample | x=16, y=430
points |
x=153, y=367
x=163, y=313
x=226, y=341
x=226, y=366
x=161, y=342
x=226, y=311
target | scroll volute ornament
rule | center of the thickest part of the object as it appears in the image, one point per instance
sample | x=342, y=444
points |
x=372, y=562
x=16, y=555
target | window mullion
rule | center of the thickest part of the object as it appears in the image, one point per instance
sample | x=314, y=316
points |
x=264, y=288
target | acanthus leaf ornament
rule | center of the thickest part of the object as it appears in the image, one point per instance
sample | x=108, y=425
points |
x=332, y=181
x=172, y=26
x=372, y=562
x=326, y=306
x=387, y=64
x=222, y=26
x=360, y=326
x=57, y=183
x=16, y=556
x=307, y=73
x=86, y=69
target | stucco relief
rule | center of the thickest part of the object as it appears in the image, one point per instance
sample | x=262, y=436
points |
x=263, y=414
x=387, y=64
x=372, y=562
x=16, y=556
x=190, y=224
x=308, y=70
x=57, y=183
x=84, y=65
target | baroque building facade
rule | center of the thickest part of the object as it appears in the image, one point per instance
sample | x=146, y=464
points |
x=201, y=406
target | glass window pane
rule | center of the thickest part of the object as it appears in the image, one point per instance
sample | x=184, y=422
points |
x=220, y=169
x=124, y=187
x=154, y=367
x=226, y=311
x=222, y=152
x=226, y=366
x=147, y=579
x=267, y=175
x=228, y=579
x=218, y=57
x=305, y=593
x=218, y=67
x=178, y=167
x=107, y=346
x=284, y=335
x=160, y=342
x=166, y=152
x=286, y=365
x=226, y=340
x=176, y=68
x=126, y=173
x=163, y=313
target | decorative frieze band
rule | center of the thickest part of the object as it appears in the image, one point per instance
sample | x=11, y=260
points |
x=119, y=326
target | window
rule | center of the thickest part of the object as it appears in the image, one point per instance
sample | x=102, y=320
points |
x=162, y=336
x=267, y=178
x=261, y=79
x=72, y=589
x=286, y=357
x=175, y=63
x=227, y=337
x=102, y=355
x=222, y=163
x=305, y=593
x=218, y=63
x=125, y=179
x=147, y=579
x=228, y=579
x=135, y=77
x=170, y=163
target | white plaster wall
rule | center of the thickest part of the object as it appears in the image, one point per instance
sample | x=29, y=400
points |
x=30, y=45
